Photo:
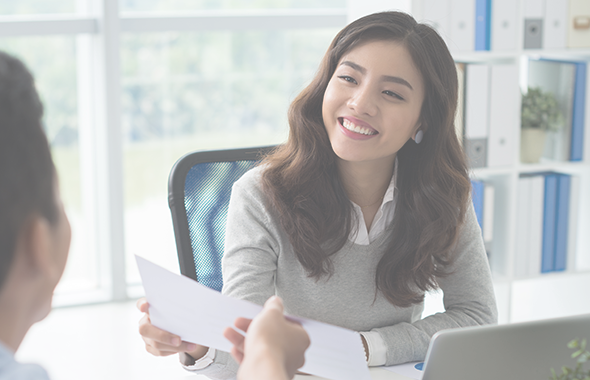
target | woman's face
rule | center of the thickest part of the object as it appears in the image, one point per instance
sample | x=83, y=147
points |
x=372, y=104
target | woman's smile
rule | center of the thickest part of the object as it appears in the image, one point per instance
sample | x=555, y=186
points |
x=353, y=127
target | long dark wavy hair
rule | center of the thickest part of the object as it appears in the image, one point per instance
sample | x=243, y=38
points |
x=433, y=185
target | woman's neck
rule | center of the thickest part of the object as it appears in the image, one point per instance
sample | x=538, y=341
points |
x=366, y=182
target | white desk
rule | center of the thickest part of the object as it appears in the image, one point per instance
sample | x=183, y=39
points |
x=376, y=374
x=102, y=342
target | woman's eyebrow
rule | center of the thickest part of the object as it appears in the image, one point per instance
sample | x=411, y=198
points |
x=354, y=66
x=399, y=80
x=386, y=78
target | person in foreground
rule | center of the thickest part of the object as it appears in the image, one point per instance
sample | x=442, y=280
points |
x=34, y=230
x=365, y=208
x=273, y=348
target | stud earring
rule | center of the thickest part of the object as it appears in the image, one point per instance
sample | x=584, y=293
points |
x=419, y=136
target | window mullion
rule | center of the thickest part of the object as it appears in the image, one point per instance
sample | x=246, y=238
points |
x=109, y=155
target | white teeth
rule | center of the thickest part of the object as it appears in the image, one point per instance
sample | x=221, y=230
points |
x=355, y=128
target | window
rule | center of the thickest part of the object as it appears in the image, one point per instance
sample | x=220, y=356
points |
x=192, y=5
x=123, y=103
x=198, y=91
x=28, y=7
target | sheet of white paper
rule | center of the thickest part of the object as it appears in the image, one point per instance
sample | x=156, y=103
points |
x=412, y=370
x=199, y=315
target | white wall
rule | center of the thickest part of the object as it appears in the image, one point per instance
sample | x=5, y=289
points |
x=360, y=8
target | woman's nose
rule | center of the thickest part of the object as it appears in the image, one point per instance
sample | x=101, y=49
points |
x=362, y=102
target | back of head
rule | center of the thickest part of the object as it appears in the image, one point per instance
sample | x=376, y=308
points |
x=26, y=168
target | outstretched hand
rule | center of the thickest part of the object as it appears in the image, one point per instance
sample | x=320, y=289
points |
x=273, y=348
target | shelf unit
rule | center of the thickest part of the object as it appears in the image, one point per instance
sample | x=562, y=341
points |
x=544, y=295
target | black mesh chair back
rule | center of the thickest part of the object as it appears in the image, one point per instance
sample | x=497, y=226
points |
x=199, y=190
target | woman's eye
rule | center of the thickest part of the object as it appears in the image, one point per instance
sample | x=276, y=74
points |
x=347, y=78
x=393, y=94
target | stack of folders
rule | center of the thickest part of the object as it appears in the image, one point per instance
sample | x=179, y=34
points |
x=465, y=25
x=566, y=80
x=483, y=202
x=556, y=24
x=488, y=113
x=472, y=25
x=546, y=224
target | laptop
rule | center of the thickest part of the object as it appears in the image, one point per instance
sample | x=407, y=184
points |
x=520, y=351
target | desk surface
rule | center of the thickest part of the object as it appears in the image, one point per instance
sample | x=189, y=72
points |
x=103, y=342
x=376, y=374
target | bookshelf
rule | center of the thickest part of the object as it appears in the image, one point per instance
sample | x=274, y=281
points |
x=541, y=295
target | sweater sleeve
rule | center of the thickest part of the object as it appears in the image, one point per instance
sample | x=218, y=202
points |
x=469, y=300
x=252, y=244
x=249, y=261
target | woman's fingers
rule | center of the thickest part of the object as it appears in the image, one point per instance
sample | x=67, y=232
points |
x=149, y=347
x=163, y=349
x=159, y=342
x=143, y=305
x=149, y=331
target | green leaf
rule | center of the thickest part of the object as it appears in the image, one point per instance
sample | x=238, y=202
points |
x=577, y=353
x=573, y=344
x=582, y=357
x=541, y=110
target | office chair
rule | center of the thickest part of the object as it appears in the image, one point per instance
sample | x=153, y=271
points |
x=199, y=189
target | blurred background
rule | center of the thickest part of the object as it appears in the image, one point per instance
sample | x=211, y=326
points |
x=130, y=86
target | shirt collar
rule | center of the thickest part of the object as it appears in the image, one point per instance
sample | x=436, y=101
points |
x=383, y=218
x=390, y=192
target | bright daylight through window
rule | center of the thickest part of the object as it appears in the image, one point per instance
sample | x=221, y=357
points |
x=183, y=86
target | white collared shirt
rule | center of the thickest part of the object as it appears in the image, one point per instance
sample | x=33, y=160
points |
x=383, y=218
x=361, y=236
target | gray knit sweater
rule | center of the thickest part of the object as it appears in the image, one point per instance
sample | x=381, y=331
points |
x=259, y=262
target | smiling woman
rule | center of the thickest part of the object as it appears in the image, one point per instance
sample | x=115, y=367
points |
x=351, y=220
x=370, y=110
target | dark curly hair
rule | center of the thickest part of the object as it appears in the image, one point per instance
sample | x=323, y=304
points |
x=433, y=182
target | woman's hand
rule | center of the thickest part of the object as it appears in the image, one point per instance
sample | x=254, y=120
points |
x=162, y=343
x=274, y=347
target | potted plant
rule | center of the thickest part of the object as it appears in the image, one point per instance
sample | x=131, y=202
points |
x=582, y=356
x=540, y=113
